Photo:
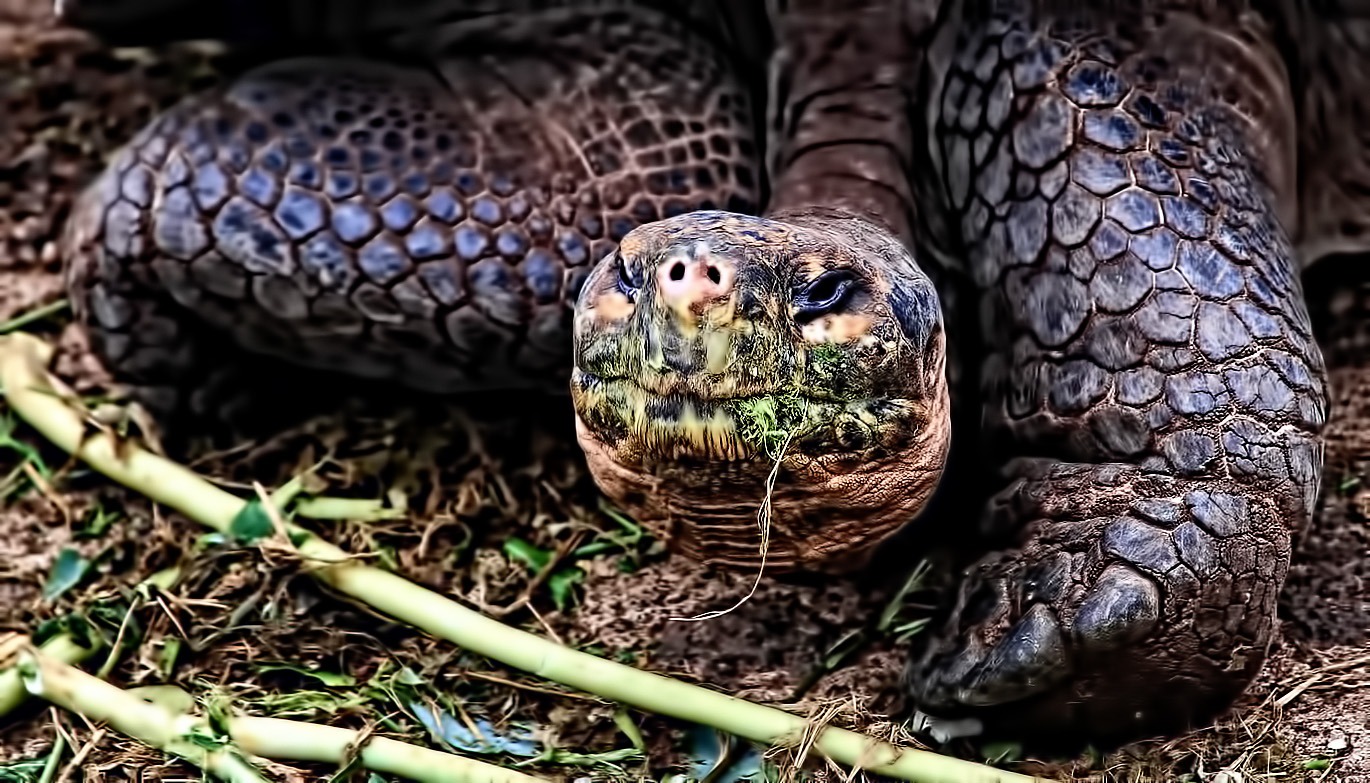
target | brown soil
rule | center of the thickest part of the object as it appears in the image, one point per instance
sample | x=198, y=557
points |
x=65, y=104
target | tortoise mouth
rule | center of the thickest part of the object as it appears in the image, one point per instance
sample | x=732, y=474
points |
x=836, y=476
x=734, y=426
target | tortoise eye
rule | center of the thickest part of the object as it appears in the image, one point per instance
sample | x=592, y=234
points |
x=826, y=294
x=629, y=277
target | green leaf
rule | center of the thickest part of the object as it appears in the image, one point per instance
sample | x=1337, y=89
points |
x=26, y=771
x=308, y=703
x=1317, y=764
x=67, y=572
x=331, y=679
x=521, y=551
x=252, y=523
x=98, y=522
x=204, y=738
x=74, y=624
x=24, y=450
x=1002, y=752
x=563, y=583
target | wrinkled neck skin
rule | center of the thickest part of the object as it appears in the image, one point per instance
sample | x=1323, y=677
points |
x=687, y=412
x=844, y=137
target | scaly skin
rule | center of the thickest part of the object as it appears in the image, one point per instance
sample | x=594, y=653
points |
x=870, y=449
x=1121, y=186
x=425, y=228
x=1121, y=191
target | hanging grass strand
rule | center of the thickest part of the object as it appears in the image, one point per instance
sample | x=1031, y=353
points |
x=763, y=521
x=34, y=395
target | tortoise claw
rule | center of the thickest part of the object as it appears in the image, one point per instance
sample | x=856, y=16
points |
x=1130, y=605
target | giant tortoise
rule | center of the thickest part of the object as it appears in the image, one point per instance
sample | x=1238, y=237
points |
x=1080, y=230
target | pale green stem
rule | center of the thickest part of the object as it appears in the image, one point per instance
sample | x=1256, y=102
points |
x=54, y=762
x=286, y=739
x=32, y=316
x=22, y=375
x=355, y=509
x=168, y=730
x=98, y=701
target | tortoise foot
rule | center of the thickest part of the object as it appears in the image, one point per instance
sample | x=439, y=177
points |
x=1132, y=603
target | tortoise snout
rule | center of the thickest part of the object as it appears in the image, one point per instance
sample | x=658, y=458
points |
x=684, y=283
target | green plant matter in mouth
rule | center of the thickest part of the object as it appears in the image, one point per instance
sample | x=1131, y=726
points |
x=768, y=422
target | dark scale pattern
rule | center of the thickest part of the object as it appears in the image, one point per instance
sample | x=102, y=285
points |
x=1158, y=368
x=360, y=217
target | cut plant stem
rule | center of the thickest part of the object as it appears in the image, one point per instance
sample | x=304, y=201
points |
x=171, y=731
x=180, y=735
x=274, y=738
x=62, y=647
x=35, y=396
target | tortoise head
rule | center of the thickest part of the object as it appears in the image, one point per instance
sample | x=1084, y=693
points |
x=718, y=353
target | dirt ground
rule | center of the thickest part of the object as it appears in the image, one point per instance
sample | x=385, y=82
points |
x=490, y=493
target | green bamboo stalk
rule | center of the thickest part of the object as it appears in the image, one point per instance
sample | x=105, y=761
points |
x=62, y=647
x=275, y=738
x=87, y=695
x=162, y=728
x=32, y=394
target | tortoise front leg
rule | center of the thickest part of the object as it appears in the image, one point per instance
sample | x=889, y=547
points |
x=1120, y=195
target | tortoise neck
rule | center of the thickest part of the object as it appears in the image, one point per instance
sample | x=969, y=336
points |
x=843, y=131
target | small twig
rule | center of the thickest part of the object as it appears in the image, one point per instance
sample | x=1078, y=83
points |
x=59, y=747
x=563, y=549
x=45, y=489
x=171, y=616
x=1298, y=689
x=112, y=659
x=546, y=626
x=525, y=686
x=75, y=763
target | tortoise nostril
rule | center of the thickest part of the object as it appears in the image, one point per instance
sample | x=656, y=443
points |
x=693, y=281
